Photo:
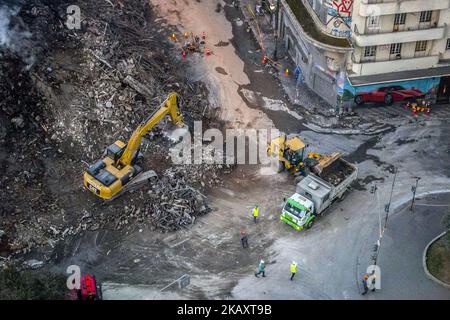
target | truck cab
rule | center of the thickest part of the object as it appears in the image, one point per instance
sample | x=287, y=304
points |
x=298, y=212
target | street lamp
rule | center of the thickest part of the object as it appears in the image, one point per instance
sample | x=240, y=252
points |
x=413, y=190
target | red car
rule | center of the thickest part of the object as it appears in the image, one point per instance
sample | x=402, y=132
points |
x=389, y=95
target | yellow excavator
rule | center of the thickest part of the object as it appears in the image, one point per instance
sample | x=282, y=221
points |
x=118, y=172
x=290, y=152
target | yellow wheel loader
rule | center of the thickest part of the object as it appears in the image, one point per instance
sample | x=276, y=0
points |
x=118, y=172
x=290, y=152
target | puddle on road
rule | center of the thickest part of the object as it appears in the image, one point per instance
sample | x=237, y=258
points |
x=221, y=71
x=222, y=44
x=278, y=105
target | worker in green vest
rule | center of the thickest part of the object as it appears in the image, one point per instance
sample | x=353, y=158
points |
x=255, y=213
x=293, y=269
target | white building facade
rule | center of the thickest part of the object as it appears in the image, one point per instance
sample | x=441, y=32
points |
x=370, y=51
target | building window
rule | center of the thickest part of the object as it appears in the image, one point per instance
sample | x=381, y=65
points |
x=369, y=54
x=425, y=16
x=400, y=18
x=373, y=22
x=396, y=48
x=421, y=46
x=370, y=51
x=448, y=44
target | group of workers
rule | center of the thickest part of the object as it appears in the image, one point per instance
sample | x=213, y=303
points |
x=423, y=107
x=192, y=43
x=368, y=280
x=262, y=269
x=262, y=265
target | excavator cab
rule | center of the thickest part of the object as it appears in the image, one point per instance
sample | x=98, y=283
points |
x=115, y=150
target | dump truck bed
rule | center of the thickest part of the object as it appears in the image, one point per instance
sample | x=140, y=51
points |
x=337, y=172
x=330, y=185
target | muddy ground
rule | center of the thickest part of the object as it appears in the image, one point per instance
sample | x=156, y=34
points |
x=64, y=101
x=64, y=105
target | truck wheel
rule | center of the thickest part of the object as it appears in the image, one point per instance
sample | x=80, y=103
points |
x=280, y=166
x=342, y=197
x=310, y=224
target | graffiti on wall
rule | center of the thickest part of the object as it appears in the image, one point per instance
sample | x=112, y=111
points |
x=343, y=6
x=393, y=92
x=339, y=17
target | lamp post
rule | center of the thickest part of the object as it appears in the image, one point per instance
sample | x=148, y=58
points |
x=277, y=12
x=414, y=189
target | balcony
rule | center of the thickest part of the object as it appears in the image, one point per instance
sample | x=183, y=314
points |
x=297, y=12
x=387, y=7
x=364, y=68
x=410, y=35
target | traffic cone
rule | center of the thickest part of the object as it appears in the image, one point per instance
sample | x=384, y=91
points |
x=186, y=34
x=286, y=72
x=173, y=37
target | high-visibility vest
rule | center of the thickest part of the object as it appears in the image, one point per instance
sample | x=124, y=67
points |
x=293, y=268
x=255, y=212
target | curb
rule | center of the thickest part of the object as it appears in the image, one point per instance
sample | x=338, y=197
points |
x=424, y=263
x=343, y=131
x=396, y=207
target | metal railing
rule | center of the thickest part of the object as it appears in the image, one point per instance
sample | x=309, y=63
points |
x=392, y=57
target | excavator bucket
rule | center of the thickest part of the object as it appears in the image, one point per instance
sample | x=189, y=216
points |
x=325, y=161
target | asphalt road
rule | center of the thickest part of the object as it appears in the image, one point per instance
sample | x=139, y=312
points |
x=400, y=259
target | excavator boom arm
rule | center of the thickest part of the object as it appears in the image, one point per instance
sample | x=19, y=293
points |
x=168, y=107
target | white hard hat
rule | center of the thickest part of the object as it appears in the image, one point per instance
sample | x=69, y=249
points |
x=293, y=262
x=262, y=261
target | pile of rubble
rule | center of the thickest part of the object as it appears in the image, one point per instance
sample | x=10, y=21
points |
x=86, y=89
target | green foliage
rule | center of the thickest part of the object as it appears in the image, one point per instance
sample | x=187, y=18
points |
x=31, y=285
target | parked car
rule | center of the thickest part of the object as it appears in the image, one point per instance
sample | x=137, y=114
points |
x=389, y=95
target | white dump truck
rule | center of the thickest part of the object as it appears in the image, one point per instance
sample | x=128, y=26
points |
x=316, y=192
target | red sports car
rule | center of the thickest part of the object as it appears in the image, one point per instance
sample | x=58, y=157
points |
x=389, y=95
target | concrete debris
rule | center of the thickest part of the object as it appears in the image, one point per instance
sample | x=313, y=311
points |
x=34, y=264
x=86, y=89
